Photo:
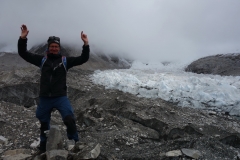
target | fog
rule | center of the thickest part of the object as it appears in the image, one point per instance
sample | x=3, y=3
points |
x=158, y=29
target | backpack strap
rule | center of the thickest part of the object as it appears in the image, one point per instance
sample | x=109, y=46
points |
x=43, y=61
x=64, y=61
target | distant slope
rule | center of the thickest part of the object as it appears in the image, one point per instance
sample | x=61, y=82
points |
x=221, y=64
x=12, y=61
x=9, y=61
x=96, y=61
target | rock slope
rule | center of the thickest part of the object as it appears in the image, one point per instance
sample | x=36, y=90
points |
x=124, y=126
x=221, y=64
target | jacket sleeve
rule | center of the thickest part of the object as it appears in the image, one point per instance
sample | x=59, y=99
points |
x=74, y=61
x=29, y=57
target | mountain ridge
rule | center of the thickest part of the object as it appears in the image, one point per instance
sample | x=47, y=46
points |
x=100, y=61
x=220, y=64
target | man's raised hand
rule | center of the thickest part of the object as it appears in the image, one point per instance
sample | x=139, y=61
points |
x=84, y=38
x=24, y=31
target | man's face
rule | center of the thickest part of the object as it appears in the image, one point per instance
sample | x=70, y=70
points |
x=54, y=48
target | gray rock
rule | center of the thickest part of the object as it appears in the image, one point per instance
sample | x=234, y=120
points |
x=17, y=157
x=174, y=153
x=57, y=155
x=70, y=144
x=238, y=156
x=191, y=153
x=212, y=113
x=3, y=140
x=40, y=157
x=54, y=141
x=89, y=151
x=16, y=151
x=35, y=144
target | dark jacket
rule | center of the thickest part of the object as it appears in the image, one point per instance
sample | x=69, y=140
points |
x=53, y=74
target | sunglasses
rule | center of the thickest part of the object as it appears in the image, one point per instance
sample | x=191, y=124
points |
x=53, y=38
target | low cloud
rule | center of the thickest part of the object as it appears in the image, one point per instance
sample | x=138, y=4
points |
x=160, y=30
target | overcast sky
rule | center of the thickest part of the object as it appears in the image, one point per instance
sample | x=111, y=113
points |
x=155, y=29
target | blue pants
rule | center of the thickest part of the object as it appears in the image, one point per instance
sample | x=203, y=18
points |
x=43, y=113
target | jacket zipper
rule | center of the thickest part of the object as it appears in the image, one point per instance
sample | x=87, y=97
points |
x=50, y=82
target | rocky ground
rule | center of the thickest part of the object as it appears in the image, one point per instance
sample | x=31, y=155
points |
x=125, y=126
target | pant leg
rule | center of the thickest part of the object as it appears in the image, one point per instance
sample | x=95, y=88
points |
x=62, y=104
x=43, y=113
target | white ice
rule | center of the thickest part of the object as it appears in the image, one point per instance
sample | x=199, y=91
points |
x=171, y=83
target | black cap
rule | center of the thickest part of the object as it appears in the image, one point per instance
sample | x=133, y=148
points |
x=53, y=39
